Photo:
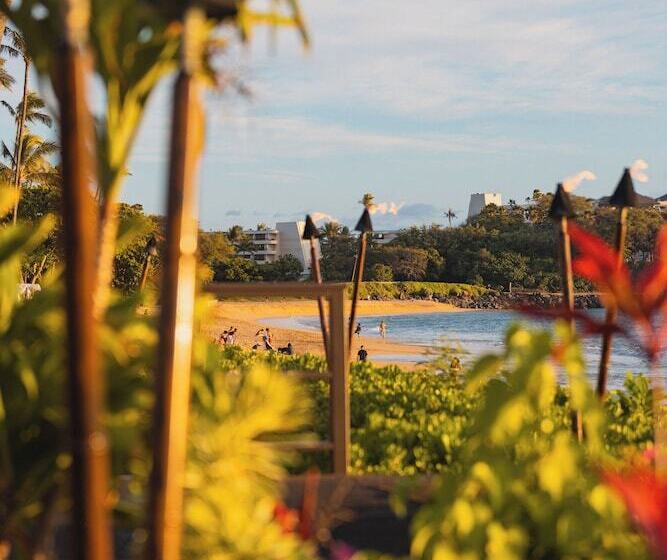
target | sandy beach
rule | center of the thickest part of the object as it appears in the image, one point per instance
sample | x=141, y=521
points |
x=248, y=317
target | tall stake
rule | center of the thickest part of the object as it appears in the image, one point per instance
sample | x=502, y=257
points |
x=150, y=252
x=624, y=197
x=363, y=226
x=90, y=469
x=311, y=234
x=178, y=297
x=561, y=211
x=18, y=149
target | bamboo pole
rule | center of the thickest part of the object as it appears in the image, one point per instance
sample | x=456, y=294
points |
x=363, y=227
x=612, y=311
x=150, y=252
x=178, y=298
x=561, y=211
x=310, y=233
x=18, y=150
x=90, y=469
x=623, y=197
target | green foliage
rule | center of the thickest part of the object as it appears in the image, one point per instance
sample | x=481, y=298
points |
x=214, y=246
x=284, y=269
x=236, y=269
x=518, y=244
x=136, y=228
x=525, y=487
x=382, y=273
x=417, y=290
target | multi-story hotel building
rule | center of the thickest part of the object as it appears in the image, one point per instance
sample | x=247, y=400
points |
x=285, y=239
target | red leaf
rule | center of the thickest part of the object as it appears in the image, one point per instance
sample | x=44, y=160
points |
x=651, y=285
x=646, y=499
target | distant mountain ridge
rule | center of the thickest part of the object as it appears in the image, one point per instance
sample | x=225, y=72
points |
x=643, y=200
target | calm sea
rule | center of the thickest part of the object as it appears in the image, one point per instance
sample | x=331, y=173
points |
x=476, y=332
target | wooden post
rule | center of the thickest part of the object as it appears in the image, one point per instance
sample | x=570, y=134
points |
x=561, y=210
x=612, y=312
x=339, y=401
x=90, y=469
x=150, y=252
x=176, y=324
x=623, y=197
x=310, y=232
x=363, y=226
x=567, y=281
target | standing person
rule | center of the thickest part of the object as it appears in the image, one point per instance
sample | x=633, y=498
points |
x=362, y=355
x=223, y=339
x=231, y=336
x=357, y=330
x=383, y=329
x=266, y=338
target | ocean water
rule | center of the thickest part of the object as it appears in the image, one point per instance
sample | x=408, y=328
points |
x=473, y=333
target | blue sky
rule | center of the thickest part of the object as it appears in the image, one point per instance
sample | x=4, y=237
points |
x=423, y=103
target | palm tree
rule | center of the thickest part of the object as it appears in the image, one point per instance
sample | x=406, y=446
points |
x=33, y=112
x=330, y=230
x=450, y=215
x=35, y=167
x=6, y=79
x=367, y=200
x=18, y=48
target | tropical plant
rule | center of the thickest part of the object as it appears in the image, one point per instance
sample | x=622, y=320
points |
x=526, y=488
x=34, y=110
x=18, y=48
x=450, y=215
x=34, y=167
x=6, y=79
x=330, y=230
x=367, y=201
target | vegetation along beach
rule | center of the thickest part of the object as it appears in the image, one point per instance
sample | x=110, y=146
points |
x=304, y=280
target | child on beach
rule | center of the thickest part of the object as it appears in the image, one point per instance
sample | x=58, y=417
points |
x=362, y=355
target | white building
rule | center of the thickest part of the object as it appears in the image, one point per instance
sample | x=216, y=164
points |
x=478, y=201
x=284, y=239
x=384, y=237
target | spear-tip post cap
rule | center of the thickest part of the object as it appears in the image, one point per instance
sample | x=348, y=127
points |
x=364, y=224
x=625, y=195
x=561, y=205
x=310, y=230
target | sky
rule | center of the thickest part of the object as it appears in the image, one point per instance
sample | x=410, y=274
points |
x=423, y=103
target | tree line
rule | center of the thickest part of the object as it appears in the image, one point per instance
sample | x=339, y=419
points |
x=510, y=244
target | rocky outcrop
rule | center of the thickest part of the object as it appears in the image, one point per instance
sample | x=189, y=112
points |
x=504, y=300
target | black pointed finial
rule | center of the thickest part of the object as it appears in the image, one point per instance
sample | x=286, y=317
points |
x=151, y=246
x=310, y=231
x=625, y=195
x=561, y=205
x=364, y=224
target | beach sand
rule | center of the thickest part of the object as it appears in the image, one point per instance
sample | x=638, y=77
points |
x=247, y=316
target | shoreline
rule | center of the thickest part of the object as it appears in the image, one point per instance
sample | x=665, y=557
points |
x=248, y=316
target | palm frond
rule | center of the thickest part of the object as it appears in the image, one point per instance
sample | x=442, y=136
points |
x=9, y=108
x=7, y=154
x=6, y=79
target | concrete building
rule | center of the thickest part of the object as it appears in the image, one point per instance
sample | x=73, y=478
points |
x=384, y=237
x=284, y=239
x=480, y=200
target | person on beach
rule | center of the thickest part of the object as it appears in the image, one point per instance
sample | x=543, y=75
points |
x=222, y=341
x=362, y=355
x=383, y=329
x=357, y=331
x=287, y=350
x=266, y=339
x=231, y=334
